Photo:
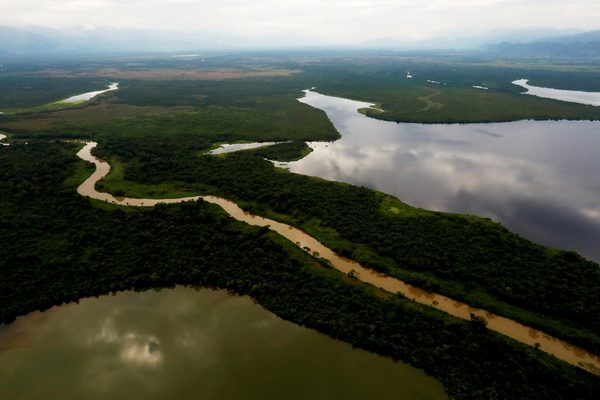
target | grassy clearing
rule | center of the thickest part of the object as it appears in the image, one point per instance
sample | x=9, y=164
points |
x=116, y=184
x=81, y=172
x=162, y=74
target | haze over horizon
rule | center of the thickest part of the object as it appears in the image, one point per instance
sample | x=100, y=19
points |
x=291, y=23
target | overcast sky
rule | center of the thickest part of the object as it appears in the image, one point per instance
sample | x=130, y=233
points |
x=326, y=21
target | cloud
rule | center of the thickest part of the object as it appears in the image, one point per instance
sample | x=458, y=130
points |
x=134, y=349
x=332, y=21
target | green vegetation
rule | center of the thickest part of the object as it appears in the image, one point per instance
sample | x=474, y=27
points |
x=226, y=112
x=262, y=107
x=287, y=151
x=58, y=247
x=23, y=93
x=454, y=100
x=469, y=258
x=152, y=132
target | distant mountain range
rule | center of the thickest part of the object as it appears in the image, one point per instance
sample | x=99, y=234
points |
x=517, y=43
x=16, y=40
x=580, y=46
x=42, y=41
x=469, y=42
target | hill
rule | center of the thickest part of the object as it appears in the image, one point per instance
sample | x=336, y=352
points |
x=581, y=46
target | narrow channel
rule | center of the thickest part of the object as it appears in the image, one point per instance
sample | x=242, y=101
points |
x=89, y=95
x=515, y=330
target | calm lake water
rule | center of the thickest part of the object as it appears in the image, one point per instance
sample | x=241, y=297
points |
x=573, y=96
x=540, y=179
x=90, y=95
x=513, y=329
x=186, y=344
x=233, y=147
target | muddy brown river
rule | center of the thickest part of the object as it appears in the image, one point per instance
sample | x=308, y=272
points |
x=515, y=330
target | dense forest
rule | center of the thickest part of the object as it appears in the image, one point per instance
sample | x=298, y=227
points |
x=58, y=247
x=466, y=257
x=18, y=93
x=287, y=151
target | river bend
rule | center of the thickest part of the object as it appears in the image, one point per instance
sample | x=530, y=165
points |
x=515, y=330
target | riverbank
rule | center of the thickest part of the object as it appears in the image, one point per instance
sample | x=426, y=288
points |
x=77, y=249
x=514, y=277
x=512, y=329
x=571, y=96
x=183, y=338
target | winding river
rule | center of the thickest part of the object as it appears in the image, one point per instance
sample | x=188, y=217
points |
x=572, y=96
x=89, y=95
x=479, y=168
x=560, y=349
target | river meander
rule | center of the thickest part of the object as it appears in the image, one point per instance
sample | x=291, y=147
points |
x=478, y=168
x=186, y=344
x=505, y=326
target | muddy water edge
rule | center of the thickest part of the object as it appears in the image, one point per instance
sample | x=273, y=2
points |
x=515, y=330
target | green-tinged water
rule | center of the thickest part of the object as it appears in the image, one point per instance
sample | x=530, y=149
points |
x=186, y=344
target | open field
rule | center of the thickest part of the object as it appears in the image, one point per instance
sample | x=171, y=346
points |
x=261, y=82
x=170, y=74
x=214, y=110
x=20, y=93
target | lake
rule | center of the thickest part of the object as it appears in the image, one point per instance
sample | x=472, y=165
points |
x=540, y=179
x=89, y=95
x=572, y=96
x=506, y=326
x=186, y=344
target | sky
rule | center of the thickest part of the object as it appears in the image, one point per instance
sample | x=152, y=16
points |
x=323, y=21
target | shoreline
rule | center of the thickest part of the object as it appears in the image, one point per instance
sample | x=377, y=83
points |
x=505, y=326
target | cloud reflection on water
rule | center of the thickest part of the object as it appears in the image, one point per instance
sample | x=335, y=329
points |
x=538, y=178
x=186, y=344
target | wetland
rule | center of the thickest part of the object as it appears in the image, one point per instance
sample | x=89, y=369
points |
x=336, y=206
